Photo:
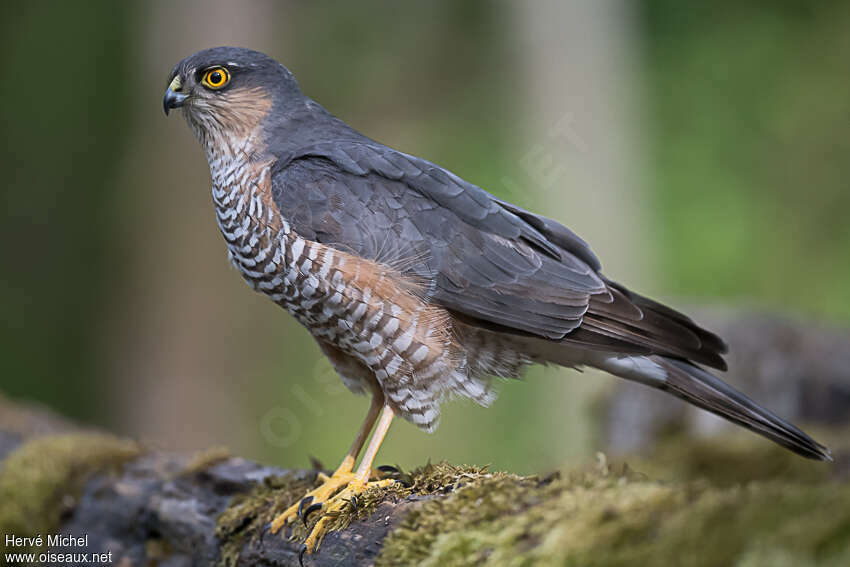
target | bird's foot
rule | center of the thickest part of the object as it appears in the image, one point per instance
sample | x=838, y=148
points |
x=345, y=500
x=332, y=497
x=329, y=486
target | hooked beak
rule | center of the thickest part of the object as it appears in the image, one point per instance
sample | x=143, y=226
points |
x=173, y=97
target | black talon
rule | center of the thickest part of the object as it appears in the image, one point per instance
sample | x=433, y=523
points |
x=353, y=502
x=301, y=555
x=396, y=474
x=304, y=502
x=316, y=464
x=310, y=509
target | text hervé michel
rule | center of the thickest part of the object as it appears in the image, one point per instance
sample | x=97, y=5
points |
x=55, y=541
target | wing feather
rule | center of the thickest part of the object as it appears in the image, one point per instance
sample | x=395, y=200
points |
x=489, y=261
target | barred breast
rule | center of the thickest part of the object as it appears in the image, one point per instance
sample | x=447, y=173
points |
x=366, y=309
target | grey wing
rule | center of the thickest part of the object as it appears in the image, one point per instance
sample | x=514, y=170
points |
x=496, y=269
x=490, y=262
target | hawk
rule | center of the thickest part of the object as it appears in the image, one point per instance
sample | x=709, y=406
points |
x=418, y=285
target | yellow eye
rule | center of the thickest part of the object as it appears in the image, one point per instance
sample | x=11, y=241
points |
x=216, y=77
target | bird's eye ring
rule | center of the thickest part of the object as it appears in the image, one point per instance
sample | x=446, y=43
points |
x=216, y=77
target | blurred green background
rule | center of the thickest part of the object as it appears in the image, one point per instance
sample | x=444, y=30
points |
x=702, y=150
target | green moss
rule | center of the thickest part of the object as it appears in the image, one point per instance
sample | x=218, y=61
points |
x=248, y=515
x=429, y=479
x=723, y=502
x=595, y=518
x=202, y=460
x=41, y=477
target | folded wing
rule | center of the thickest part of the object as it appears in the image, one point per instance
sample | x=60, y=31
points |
x=489, y=261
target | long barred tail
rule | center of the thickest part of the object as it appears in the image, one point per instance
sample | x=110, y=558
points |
x=702, y=389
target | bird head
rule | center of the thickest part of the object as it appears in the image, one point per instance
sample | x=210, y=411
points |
x=226, y=92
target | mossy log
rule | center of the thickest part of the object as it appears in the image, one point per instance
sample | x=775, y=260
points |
x=737, y=503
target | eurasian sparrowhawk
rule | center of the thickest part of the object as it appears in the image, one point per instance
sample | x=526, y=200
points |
x=417, y=284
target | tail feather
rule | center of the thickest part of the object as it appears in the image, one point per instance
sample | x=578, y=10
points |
x=702, y=389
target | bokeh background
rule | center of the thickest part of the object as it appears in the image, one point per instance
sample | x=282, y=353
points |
x=701, y=149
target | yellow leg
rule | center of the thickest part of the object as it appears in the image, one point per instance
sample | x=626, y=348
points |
x=358, y=484
x=343, y=474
